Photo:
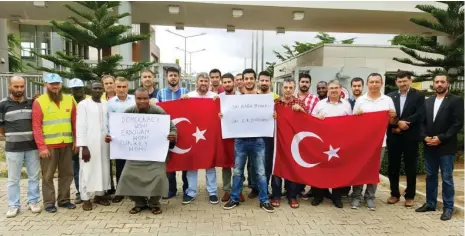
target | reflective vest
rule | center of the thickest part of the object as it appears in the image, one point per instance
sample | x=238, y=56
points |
x=56, y=122
x=75, y=102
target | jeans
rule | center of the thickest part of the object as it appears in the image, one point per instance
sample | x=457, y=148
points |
x=433, y=163
x=251, y=177
x=192, y=176
x=76, y=172
x=15, y=163
x=173, y=188
x=254, y=149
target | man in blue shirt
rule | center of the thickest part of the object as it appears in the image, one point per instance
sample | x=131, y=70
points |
x=119, y=104
x=173, y=92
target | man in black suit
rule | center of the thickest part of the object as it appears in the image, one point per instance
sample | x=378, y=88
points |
x=442, y=122
x=403, y=137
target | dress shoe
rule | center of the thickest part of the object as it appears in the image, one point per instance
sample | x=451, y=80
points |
x=447, y=214
x=338, y=203
x=409, y=202
x=225, y=197
x=317, y=201
x=425, y=208
x=392, y=200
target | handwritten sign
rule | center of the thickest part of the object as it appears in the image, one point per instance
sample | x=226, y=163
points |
x=139, y=137
x=246, y=116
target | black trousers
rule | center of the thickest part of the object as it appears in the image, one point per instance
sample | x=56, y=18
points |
x=119, y=169
x=335, y=194
x=173, y=188
x=406, y=149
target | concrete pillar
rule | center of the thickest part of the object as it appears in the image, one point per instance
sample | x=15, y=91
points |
x=144, y=44
x=125, y=50
x=3, y=46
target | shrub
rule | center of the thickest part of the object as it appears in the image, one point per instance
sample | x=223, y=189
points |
x=420, y=168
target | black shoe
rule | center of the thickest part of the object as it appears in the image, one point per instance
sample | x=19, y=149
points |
x=230, y=205
x=187, y=199
x=267, y=207
x=425, y=208
x=327, y=194
x=447, y=214
x=67, y=205
x=110, y=192
x=338, y=203
x=213, y=199
x=51, y=209
x=317, y=201
x=253, y=194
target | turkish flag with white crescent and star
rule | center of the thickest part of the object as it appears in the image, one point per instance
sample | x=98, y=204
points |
x=199, y=143
x=330, y=153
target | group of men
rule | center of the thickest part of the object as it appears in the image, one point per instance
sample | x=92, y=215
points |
x=71, y=133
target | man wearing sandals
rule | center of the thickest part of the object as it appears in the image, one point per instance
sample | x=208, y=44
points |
x=145, y=181
x=91, y=128
x=287, y=100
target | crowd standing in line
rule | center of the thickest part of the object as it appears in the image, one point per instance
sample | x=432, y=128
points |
x=70, y=133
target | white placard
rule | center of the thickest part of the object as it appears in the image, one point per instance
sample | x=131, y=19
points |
x=139, y=137
x=247, y=116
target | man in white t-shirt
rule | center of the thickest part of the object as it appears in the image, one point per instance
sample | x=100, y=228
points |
x=372, y=101
x=202, y=91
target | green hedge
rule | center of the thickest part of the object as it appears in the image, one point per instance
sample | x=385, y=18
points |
x=420, y=167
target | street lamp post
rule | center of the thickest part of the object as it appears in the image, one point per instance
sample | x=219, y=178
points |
x=190, y=56
x=185, y=45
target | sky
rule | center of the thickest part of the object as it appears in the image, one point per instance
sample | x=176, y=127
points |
x=228, y=51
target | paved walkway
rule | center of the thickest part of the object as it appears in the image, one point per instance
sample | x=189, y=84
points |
x=202, y=218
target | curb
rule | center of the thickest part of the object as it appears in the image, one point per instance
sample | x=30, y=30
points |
x=421, y=196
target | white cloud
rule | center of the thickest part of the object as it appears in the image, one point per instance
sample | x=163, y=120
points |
x=227, y=51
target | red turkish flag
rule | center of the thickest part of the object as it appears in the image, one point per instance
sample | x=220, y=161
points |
x=329, y=153
x=199, y=144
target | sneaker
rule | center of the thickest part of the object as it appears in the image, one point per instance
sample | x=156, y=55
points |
x=230, y=205
x=67, y=205
x=34, y=207
x=187, y=199
x=267, y=207
x=170, y=195
x=51, y=209
x=371, y=204
x=12, y=212
x=355, y=204
x=77, y=200
x=213, y=199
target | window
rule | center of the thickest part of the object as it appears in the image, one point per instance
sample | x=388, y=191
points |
x=26, y=48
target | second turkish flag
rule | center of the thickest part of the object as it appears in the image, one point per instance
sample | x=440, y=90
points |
x=199, y=144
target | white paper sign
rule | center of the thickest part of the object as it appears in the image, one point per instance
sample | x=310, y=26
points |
x=247, y=116
x=139, y=137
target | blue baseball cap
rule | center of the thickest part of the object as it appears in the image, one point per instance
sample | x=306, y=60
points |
x=52, y=78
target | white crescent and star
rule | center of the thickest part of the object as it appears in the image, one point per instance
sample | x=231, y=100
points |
x=199, y=134
x=332, y=152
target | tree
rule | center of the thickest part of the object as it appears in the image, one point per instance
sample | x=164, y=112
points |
x=270, y=68
x=14, y=59
x=448, y=21
x=299, y=47
x=94, y=27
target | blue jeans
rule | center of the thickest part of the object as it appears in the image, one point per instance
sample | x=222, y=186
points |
x=254, y=149
x=433, y=163
x=15, y=162
x=212, y=186
x=76, y=172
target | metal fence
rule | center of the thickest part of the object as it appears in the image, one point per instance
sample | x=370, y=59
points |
x=33, y=82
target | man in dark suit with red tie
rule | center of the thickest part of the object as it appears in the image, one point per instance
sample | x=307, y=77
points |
x=442, y=122
x=403, y=137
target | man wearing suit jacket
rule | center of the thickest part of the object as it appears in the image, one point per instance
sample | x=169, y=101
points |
x=442, y=122
x=403, y=137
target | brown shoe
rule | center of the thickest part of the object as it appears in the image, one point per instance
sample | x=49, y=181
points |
x=87, y=206
x=409, y=202
x=225, y=197
x=117, y=199
x=393, y=200
x=241, y=198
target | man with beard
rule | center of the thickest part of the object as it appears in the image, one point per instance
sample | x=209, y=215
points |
x=16, y=127
x=228, y=84
x=254, y=150
x=173, y=92
x=239, y=83
x=215, y=77
x=91, y=129
x=77, y=90
x=442, y=121
x=53, y=125
x=357, y=88
x=148, y=82
x=119, y=104
x=287, y=100
x=322, y=90
x=145, y=182
x=202, y=83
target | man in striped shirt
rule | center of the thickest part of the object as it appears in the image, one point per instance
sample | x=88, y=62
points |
x=16, y=126
x=173, y=92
